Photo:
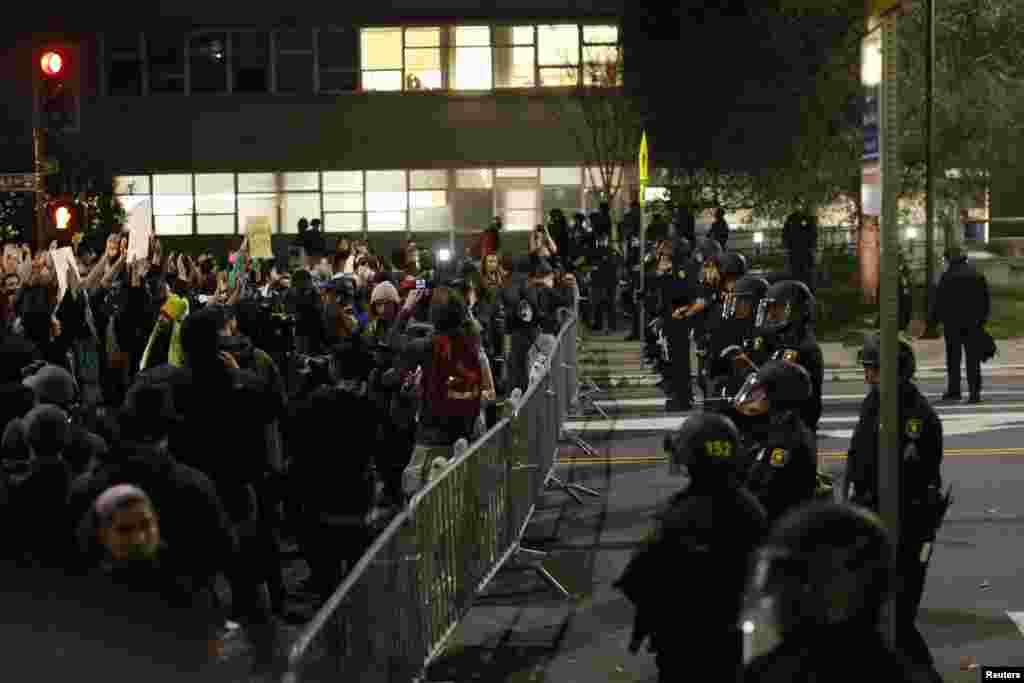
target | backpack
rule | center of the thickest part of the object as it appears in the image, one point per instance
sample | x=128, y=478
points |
x=453, y=384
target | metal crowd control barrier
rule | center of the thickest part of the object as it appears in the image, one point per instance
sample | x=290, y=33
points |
x=397, y=608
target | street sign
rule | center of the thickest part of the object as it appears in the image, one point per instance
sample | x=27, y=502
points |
x=19, y=182
x=643, y=161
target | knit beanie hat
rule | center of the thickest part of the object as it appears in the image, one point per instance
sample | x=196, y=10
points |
x=383, y=293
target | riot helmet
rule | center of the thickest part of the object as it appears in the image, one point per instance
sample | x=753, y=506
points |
x=870, y=356
x=707, y=445
x=681, y=250
x=787, y=308
x=732, y=266
x=744, y=299
x=705, y=249
x=778, y=388
x=823, y=564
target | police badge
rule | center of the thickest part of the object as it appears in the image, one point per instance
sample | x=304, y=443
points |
x=914, y=428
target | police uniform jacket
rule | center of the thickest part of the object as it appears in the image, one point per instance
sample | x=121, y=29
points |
x=843, y=654
x=920, y=467
x=807, y=354
x=784, y=467
x=694, y=561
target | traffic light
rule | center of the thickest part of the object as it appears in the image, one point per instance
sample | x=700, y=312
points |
x=64, y=216
x=58, y=74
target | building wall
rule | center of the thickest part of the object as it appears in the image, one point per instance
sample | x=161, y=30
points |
x=357, y=131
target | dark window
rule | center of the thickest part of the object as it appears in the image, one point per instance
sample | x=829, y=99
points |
x=250, y=60
x=124, y=64
x=166, y=53
x=295, y=61
x=338, y=51
x=208, y=53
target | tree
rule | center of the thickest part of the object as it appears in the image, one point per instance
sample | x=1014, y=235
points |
x=979, y=85
x=605, y=121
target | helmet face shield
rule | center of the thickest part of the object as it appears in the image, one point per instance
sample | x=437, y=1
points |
x=752, y=398
x=738, y=307
x=762, y=620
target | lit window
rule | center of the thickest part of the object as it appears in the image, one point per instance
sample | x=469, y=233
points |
x=215, y=225
x=387, y=201
x=608, y=35
x=130, y=201
x=428, y=180
x=343, y=181
x=514, y=57
x=296, y=205
x=301, y=181
x=381, y=50
x=343, y=202
x=519, y=208
x=132, y=184
x=474, y=179
x=558, y=45
x=516, y=173
x=172, y=204
x=385, y=221
x=559, y=76
x=385, y=181
x=601, y=65
x=423, y=59
x=343, y=222
x=422, y=37
x=434, y=219
x=261, y=205
x=382, y=80
x=256, y=182
x=470, y=63
x=215, y=193
x=560, y=176
x=428, y=199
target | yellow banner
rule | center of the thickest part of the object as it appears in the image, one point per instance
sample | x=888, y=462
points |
x=258, y=230
x=643, y=160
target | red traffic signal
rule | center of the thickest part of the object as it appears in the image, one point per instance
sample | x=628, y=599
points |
x=63, y=215
x=52, y=63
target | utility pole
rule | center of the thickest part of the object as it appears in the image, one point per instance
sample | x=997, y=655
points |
x=929, y=230
x=892, y=166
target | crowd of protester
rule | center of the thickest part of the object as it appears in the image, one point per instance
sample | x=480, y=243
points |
x=178, y=419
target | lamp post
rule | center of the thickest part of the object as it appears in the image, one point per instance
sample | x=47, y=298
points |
x=929, y=232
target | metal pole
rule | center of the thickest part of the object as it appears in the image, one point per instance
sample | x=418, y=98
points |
x=39, y=153
x=641, y=311
x=889, y=457
x=929, y=230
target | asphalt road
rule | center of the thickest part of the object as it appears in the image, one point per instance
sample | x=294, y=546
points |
x=521, y=630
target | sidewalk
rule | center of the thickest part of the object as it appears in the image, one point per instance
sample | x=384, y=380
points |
x=610, y=355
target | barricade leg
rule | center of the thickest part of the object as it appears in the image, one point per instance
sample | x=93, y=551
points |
x=533, y=560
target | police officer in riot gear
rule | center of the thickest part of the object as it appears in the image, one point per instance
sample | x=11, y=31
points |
x=702, y=541
x=724, y=332
x=679, y=294
x=922, y=503
x=784, y=321
x=732, y=353
x=815, y=598
x=781, y=451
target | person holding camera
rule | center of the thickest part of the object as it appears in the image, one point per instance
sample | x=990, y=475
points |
x=541, y=243
x=531, y=306
x=452, y=379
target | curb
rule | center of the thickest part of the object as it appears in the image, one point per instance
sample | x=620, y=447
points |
x=851, y=375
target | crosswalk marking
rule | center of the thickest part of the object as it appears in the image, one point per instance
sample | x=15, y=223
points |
x=660, y=401
x=953, y=424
